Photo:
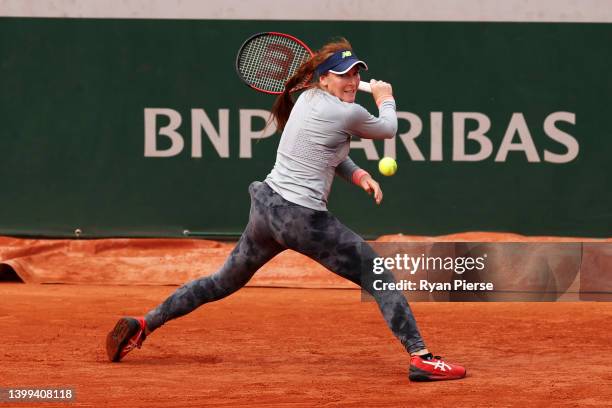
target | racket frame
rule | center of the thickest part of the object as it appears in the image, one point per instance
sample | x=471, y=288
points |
x=363, y=86
x=250, y=39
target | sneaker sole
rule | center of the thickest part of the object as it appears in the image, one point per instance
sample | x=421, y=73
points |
x=416, y=374
x=116, y=340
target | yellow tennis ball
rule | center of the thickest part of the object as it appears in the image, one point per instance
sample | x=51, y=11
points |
x=387, y=166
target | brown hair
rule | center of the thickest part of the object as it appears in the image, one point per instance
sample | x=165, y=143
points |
x=304, y=75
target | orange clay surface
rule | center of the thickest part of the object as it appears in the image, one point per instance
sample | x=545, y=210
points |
x=301, y=348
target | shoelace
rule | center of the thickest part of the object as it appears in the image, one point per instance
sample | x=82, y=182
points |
x=137, y=343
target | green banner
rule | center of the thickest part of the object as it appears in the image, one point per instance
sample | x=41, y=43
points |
x=142, y=128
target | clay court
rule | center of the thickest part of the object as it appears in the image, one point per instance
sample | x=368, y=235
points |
x=303, y=348
x=277, y=346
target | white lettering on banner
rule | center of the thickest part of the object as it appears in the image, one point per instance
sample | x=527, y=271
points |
x=408, y=138
x=467, y=128
x=218, y=136
x=565, y=139
x=150, y=119
x=220, y=139
x=435, y=120
x=477, y=135
x=518, y=126
x=416, y=126
x=368, y=148
x=247, y=134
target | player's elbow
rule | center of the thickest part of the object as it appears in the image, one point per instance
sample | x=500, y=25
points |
x=391, y=134
x=390, y=130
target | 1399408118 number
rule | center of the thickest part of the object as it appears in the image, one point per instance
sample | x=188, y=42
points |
x=15, y=394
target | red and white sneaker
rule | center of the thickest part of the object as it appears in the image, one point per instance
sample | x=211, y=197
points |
x=433, y=369
x=128, y=333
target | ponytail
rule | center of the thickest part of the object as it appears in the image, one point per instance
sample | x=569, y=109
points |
x=303, y=78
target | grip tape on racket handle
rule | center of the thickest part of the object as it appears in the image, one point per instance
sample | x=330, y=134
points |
x=364, y=87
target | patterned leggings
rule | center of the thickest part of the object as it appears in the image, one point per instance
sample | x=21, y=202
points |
x=276, y=224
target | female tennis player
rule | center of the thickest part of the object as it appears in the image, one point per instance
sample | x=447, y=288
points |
x=289, y=208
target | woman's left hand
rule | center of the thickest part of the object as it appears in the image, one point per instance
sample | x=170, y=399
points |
x=371, y=186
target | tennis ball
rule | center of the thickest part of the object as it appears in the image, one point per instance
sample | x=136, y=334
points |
x=387, y=166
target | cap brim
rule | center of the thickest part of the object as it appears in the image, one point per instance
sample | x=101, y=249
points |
x=349, y=67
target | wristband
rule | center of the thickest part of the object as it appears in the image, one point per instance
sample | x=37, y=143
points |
x=358, y=174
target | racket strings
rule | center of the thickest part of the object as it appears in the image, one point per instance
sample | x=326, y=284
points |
x=268, y=61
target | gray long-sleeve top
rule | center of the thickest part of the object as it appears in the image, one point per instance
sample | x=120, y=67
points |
x=316, y=141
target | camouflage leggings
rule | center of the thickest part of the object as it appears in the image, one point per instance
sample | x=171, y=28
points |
x=275, y=225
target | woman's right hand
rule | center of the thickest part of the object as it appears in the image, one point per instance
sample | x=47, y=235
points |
x=371, y=186
x=381, y=90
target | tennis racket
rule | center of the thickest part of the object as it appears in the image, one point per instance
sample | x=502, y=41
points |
x=267, y=60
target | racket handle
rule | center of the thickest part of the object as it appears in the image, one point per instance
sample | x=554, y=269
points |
x=364, y=87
